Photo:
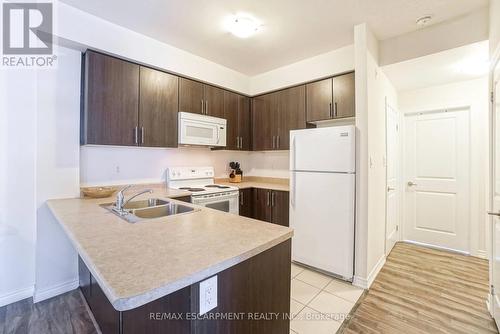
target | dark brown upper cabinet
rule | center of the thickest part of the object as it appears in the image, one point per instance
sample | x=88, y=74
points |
x=191, y=95
x=237, y=114
x=292, y=114
x=111, y=101
x=265, y=121
x=274, y=115
x=158, y=105
x=343, y=96
x=331, y=98
x=127, y=104
x=196, y=97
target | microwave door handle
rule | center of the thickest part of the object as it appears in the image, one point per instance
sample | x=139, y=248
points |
x=218, y=134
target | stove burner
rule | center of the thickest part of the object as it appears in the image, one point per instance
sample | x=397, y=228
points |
x=217, y=186
x=192, y=189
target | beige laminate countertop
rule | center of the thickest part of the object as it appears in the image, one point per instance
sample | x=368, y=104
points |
x=258, y=182
x=138, y=263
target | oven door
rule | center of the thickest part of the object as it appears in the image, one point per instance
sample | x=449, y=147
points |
x=201, y=130
x=227, y=202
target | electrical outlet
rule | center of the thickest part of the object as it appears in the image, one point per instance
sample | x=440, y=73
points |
x=208, y=295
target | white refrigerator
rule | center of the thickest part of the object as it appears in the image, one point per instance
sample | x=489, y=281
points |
x=322, y=198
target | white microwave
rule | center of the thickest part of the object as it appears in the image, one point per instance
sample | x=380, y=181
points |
x=201, y=130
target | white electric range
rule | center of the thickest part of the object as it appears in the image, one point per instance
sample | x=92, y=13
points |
x=199, y=181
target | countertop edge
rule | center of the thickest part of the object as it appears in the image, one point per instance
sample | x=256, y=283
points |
x=125, y=304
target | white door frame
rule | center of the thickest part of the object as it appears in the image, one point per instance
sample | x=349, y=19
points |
x=404, y=175
x=399, y=173
x=495, y=61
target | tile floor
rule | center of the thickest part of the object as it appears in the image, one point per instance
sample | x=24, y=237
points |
x=319, y=303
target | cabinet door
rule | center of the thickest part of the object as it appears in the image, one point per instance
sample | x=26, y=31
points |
x=214, y=101
x=262, y=204
x=158, y=104
x=231, y=115
x=280, y=207
x=343, y=96
x=244, y=122
x=190, y=96
x=84, y=278
x=246, y=204
x=319, y=100
x=292, y=116
x=265, y=121
x=111, y=101
x=104, y=312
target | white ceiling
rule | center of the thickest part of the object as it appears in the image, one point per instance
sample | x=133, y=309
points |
x=292, y=29
x=459, y=64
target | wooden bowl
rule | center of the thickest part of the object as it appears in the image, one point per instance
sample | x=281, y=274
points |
x=98, y=192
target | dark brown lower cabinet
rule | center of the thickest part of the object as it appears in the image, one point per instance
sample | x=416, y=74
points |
x=271, y=206
x=243, y=292
x=246, y=203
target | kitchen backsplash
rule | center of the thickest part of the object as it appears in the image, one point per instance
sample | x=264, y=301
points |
x=100, y=165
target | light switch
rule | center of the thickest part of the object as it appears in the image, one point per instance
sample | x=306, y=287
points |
x=208, y=295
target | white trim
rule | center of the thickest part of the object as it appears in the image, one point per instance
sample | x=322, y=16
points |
x=436, y=247
x=365, y=283
x=482, y=254
x=16, y=296
x=54, y=290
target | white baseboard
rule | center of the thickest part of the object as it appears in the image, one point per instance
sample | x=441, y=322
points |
x=54, y=290
x=16, y=296
x=436, y=247
x=482, y=254
x=365, y=283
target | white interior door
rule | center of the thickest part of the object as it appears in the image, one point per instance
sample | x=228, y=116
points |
x=437, y=202
x=495, y=198
x=392, y=180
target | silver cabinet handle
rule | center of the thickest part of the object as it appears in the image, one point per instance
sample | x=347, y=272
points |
x=335, y=109
x=390, y=189
x=136, y=135
x=142, y=135
x=268, y=198
x=273, y=142
x=206, y=107
x=331, y=113
x=237, y=142
x=494, y=213
x=241, y=197
x=411, y=184
x=241, y=142
x=202, y=110
x=278, y=142
x=272, y=198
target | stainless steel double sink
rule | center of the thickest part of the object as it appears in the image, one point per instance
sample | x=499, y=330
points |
x=136, y=211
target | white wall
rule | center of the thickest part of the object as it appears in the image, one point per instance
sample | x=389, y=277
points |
x=120, y=165
x=372, y=89
x=320, y=66
x=473, y=94
x=17, y=184
x=494, y=26
x=57, y=171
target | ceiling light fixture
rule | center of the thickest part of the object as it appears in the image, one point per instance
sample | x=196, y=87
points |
x=424, y=20
x=242, y=26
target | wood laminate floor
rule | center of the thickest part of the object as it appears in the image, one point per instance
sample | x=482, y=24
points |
x=423, y=290
x=64, y=314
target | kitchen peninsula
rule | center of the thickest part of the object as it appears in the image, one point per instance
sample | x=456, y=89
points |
x=134, y=276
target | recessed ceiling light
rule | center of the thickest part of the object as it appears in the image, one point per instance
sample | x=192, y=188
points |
x=242, y=25
x=424, y=20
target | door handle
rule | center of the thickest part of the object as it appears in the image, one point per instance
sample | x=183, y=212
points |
x=411, y=184
x=277, y=141
x=237, y=142
x=142, y=135
x=335, y=110
x=241, y=198
x=268, y=198
x=274, y=145
x=272, y=198
x=202, y=111
x=390, y=189
x=331, y=113
x=206, y=107
x=136, y=135
x=494, y=213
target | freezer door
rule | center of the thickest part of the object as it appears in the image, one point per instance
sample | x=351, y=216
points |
x=322, y=216
x=331, y=149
